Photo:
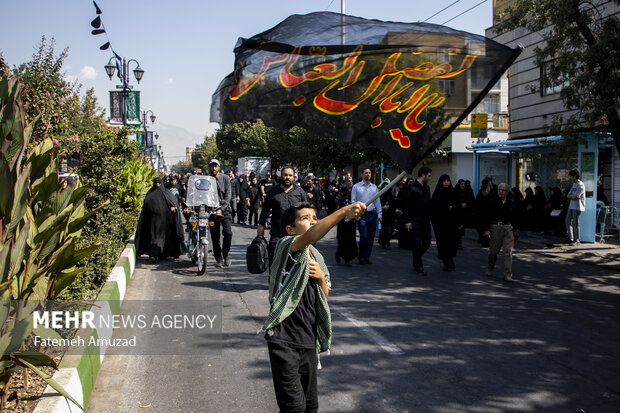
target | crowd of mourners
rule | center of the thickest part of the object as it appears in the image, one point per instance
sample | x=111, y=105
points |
x=299, y=212
x=450, y=209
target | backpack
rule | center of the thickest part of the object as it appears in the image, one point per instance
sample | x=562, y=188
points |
x=257, y=256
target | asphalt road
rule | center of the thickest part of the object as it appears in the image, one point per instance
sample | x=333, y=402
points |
x=448, y=342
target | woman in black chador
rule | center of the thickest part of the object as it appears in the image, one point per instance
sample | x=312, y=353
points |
x=464, y=207
x=160, y=230
x=445, y=223
x=346, y=230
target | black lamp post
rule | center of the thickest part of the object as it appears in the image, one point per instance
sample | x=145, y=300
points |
x=123, y=75
x=144, y=123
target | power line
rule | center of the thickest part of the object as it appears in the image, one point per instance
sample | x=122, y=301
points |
x=329, y=5
x=466, y=11
x=445, y=8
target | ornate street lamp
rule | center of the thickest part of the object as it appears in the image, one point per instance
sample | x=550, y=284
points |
x=144, y=123
x=123, y=68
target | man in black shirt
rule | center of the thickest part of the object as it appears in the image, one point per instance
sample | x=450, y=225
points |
x=243, y=198
x=499, y=226
x=233, y=195
x=224, y=220
x=278, y=200
x=265, y=185
x=417, y=210
x=312, y=191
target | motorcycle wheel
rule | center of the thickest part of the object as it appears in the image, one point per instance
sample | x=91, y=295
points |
x=202, y=258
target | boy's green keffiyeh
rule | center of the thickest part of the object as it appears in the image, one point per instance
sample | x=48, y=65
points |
x=284, y=297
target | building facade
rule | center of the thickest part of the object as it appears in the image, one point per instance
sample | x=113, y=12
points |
x=533, y=106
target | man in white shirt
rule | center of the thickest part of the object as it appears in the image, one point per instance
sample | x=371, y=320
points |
x=577, y=197
x=367, y=224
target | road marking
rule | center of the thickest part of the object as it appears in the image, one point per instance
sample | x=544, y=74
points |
x=370, y=332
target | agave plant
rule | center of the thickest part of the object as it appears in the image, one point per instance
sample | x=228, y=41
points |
x=39, y=226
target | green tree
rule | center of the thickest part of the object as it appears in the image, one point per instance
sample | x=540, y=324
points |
x=183, y=167
x=204, y=152
x=296, y=147
x=581, y=52
x=50, y=100
x=78, y=129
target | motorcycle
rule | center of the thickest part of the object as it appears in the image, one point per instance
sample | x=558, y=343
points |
x=203, y=202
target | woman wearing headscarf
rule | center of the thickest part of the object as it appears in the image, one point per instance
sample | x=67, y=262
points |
x=159, y=232
x=346, y=230
x=254, y=204
x=487, y=191
x=445, y=224
x=540, y=204
x=528, y=209
x=556, y=203
x=464, y=205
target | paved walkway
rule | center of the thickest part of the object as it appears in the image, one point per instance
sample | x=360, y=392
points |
x=606, y=255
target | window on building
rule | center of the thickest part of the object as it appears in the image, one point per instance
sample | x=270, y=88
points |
x=490, y=104
x=550, y=84
x=447, y=86
x=479, y=77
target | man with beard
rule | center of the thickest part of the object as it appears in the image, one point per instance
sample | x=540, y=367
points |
x=278, y=200
x=159, y=232
x=223, y=220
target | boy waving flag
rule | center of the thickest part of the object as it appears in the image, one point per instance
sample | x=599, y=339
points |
x=299, y=322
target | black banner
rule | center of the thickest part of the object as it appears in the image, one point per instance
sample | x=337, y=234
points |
x=399, y=87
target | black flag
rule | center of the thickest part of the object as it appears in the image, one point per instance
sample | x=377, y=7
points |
x=399, y=87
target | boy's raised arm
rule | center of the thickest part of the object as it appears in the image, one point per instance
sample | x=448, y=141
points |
x=318, y=230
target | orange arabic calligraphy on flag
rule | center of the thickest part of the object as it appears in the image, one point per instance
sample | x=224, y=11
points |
x=410, y=98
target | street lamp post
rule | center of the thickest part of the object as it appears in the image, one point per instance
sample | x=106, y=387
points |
x=123, y=68
x=144, y=123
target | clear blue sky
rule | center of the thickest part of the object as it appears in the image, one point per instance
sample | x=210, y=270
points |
x=184, y=46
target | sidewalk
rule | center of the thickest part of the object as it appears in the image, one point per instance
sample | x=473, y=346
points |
x=605, y=255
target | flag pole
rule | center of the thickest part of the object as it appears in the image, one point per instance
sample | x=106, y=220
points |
x=388, y=187
x=342, y=30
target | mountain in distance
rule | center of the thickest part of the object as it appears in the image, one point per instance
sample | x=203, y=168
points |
x=174, y=140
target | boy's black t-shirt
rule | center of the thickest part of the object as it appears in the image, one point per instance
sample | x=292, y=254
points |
x=298, y=330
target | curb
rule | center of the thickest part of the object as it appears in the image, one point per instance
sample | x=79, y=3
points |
x=77, y=371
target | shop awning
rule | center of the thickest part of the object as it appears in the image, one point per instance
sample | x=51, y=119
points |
x=515, y=144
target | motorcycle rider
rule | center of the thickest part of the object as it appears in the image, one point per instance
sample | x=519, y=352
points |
x=222, y=221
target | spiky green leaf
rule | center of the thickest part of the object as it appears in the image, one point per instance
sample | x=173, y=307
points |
x=51, y=382
x=6, y=195
x=37, y=359
x=19, y=249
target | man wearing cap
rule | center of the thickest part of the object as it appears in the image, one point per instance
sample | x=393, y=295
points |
x=222, y=221
x=367, y=226
x=265, y=185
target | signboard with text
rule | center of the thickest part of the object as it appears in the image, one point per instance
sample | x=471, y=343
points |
x=479, y=125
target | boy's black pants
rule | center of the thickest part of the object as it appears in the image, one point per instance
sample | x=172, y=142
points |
x=294, y=378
